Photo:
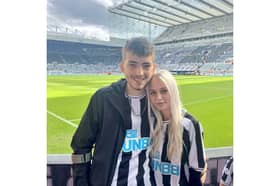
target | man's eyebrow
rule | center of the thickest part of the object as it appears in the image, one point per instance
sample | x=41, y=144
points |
x=132, y=61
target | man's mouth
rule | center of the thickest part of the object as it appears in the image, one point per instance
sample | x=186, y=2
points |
x=139, y=79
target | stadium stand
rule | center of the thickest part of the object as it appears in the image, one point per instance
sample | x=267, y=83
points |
x=202, y=47
x=214, y=26
x=188, y=48
x=72, y=36
x=64, y=57
x=196, y=57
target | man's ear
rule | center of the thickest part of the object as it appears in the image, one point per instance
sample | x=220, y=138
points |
x=155, y=66
x=121, y=65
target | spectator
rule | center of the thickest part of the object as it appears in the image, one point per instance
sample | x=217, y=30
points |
x=115, y=119
x=227, y=175
x=178, y=156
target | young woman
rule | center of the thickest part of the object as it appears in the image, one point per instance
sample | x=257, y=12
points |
x=177, y=150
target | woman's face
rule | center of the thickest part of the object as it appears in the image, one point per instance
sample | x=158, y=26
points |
x=159, y=96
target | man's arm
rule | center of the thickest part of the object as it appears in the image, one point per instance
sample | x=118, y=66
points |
x=82, y=143
x=203, y=175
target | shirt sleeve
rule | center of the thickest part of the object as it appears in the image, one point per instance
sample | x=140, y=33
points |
x=197, y=158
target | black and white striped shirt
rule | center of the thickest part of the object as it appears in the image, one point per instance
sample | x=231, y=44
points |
x=176, y=172
x=133, y=161
x=227, y=174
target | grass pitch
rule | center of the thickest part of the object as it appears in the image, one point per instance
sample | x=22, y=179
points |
x=209, y=99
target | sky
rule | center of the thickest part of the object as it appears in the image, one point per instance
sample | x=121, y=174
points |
x=87, y=16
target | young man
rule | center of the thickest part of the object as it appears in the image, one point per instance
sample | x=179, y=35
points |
x=116, y=124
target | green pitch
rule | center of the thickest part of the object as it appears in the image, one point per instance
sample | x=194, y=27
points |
x=209, y=99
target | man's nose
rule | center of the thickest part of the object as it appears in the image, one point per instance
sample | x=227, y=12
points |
x=139, y=70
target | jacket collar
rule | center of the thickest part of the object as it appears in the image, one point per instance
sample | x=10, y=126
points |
x=120, y=101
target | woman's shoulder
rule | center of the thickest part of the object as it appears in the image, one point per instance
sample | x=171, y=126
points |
x=189, y=121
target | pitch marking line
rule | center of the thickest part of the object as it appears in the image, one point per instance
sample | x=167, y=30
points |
x=78, y=119
x=206, y=100
x=62, y=119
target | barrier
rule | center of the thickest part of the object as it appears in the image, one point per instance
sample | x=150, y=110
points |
x=59, y=167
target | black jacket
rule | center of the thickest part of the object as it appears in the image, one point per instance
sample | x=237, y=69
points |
x=103, y=126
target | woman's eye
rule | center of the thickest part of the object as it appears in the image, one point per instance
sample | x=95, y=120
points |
x=163, y=91
x=152, y=93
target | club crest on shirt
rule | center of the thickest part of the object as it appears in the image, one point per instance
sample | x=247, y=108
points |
x=132, y=142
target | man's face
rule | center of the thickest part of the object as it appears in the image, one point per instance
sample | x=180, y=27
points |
x=138, y=71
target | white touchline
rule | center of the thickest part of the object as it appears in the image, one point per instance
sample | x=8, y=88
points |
x=78, y=119
x=62, y=119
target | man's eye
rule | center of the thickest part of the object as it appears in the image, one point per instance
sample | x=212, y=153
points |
x=132, y=64
x=147, y=65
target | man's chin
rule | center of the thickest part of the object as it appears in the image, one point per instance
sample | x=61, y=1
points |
x=139, y=86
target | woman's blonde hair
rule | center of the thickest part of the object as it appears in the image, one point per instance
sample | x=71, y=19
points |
x=175, y=128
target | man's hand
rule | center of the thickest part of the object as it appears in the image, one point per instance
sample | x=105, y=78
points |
x=203, y=175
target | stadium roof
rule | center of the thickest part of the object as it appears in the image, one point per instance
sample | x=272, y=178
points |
x=168, y=13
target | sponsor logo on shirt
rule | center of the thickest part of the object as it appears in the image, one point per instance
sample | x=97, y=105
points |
x=164, y=168
x=132, y=142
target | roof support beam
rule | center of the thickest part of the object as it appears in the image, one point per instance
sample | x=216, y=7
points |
x=178, y=9
x=137, y=18
x=162, y=10
x=214, y=7
x=152, y=18
x=150, y=12
x=228, y=3
x=198, y=9
x=170, y=13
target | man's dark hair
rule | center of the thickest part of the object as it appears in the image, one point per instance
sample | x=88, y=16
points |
x=139, y=46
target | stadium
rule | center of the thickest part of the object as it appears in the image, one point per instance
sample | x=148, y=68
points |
x=193, y=40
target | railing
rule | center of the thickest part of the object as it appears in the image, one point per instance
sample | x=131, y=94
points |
x=59, y=171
